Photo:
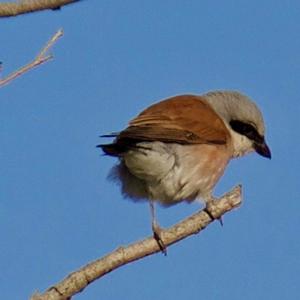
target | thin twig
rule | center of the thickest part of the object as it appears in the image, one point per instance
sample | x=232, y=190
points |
x=41, y=58
x=9, y=9
x=77, y=281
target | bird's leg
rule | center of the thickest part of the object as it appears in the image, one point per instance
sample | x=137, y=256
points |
x=156, y=229
x=209, y=201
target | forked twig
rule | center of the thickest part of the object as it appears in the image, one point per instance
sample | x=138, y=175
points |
x=41, y=58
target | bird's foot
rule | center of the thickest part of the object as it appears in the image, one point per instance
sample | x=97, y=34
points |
x=209, y=209
x=156, y=229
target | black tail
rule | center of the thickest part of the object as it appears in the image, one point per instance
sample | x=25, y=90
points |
x=119, y=146
x=111, y=149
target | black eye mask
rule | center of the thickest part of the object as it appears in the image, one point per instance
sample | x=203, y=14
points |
x=247, y=130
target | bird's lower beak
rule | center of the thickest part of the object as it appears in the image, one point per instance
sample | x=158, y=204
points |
x=263, y=149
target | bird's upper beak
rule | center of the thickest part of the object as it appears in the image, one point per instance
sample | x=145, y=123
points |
x=263, y=149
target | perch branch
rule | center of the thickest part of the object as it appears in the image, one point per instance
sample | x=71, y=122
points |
x=41, y=58
x=9, y=9
x=77, y=281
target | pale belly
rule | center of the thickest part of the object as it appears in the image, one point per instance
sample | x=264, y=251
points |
x=170, y=173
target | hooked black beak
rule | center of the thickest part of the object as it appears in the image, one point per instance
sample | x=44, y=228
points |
x=263, y=149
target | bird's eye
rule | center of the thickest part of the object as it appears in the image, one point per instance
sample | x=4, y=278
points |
x=246, y=129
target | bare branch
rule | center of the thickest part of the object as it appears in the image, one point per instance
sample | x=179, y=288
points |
x=80, y=279
x=9, y=9
x=41, y=58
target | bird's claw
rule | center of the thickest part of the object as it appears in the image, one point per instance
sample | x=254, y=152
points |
x=208, y=209
x=157, y=236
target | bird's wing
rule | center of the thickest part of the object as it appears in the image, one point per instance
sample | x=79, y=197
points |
x=185, y=119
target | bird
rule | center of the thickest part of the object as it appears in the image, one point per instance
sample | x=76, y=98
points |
x=177, y=149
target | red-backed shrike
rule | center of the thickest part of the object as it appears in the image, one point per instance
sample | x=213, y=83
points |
x=177, y=149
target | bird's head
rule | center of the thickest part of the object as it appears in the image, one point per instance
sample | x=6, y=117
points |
x=243, y=119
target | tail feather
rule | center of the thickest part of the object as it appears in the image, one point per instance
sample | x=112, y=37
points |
x=111, y=149
x=110, y=135
x=119, y=146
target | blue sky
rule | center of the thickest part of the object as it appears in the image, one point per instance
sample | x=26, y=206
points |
x=58, y=211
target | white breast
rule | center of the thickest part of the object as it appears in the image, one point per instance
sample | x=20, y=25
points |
x=241, y=144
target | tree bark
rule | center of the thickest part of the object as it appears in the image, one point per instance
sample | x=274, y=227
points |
x=10, y=9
